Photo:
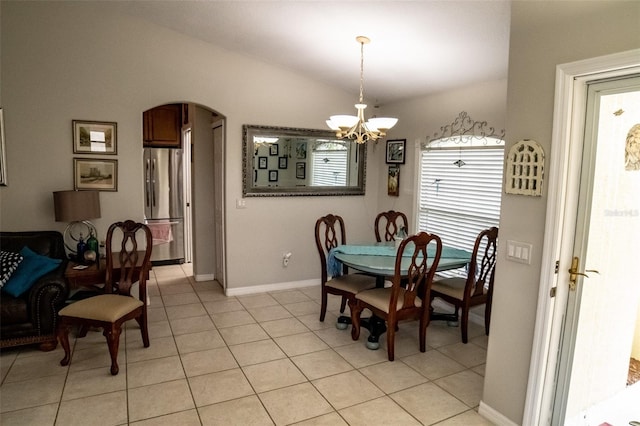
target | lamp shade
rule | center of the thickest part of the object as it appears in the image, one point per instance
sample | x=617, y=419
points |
x=73, y=206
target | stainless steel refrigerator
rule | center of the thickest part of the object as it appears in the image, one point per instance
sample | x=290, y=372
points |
x=164, y=203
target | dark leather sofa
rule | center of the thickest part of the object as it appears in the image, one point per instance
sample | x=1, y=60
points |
x=32, y=317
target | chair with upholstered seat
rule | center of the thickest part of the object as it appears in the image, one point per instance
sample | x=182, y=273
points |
x=330, y=233
x=408, y=296
x=477, y=288
x=387, y=225
x=125, y=267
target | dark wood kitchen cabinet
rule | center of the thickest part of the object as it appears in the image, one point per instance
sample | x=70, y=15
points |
x=162, y=126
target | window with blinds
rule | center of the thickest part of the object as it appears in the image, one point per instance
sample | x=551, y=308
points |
x=330, y=165
x=460, y=192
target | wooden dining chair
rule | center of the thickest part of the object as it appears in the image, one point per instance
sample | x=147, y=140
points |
x=477, y=288
x=330, y=232
x=110, y=310
x=408, y=296
x=387, y=225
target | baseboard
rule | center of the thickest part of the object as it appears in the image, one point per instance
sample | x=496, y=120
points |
x=241, y=291
x=494, y=416
x=440, y=305
x=203, y=277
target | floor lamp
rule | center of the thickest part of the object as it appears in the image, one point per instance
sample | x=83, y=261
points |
x=76, y=207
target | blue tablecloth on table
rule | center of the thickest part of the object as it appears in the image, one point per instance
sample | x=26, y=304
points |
x=334, y=266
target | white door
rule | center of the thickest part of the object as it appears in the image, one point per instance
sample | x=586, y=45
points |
x=601, y=313
x=218, y=200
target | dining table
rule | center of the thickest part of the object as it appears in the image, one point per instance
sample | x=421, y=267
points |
x=379, y=259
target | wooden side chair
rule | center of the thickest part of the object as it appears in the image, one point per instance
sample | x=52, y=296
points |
x=110, y=310
x=477, y=287
x=330, y=232
x=408, y=296
x=388, y=224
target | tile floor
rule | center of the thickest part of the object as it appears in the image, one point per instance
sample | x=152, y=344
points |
x=252, y=360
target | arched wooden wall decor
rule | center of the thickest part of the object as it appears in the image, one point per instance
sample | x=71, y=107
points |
x=524, y=173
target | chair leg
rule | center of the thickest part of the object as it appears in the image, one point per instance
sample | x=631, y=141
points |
x=343, y=304
x=391, y=340
x=142, y=322
x=465, y=324
x=355, y=309
x=424, y=322
x=323, y=307
x=63, y=337
x=113, y=341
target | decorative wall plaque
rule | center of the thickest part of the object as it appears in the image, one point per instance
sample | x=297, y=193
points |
x=525, y=169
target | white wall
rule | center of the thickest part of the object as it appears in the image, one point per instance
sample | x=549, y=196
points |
x=543, y=34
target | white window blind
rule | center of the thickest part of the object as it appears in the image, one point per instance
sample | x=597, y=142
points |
x=456, y=203
x=330, y=165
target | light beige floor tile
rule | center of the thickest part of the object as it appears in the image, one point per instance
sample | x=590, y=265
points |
x=160, y=347
x=167, y=273
x=393, y=376
x=294, y=404
x=331, y=419
x=45, y=415
x=220, y=306
x=321, y=364
x=185, y=311
x=106, y=409
x=283, y=327
x=405, y=344
x=256, y=352
x=183, y=418
x=200, y=341
x=242, y=411
x=218, y=387
x=269, y=313
x=480, y=369
x=31, y=393
x=154, y=371
x=156, y=314
x=256, y=301
x=469, y=355
x=180, y=299
x=232, y=319
x=428, y=403
x=209, y=295
x=433, y=364
x=347, y=389
x=439, y=334
x=303, y=308
x=299, y=344
x=34, y=367
x=92, y=382
x=156, y=329
x=334, y=337
x=191, y=325
x=167, y=290
x=359, y=356
x=273, y=375
x=243, y=334
x=7, y=358
x=312, y=321
x=381, y=411
x=465, y=385
x=290, y=296
x=96, y=356
x=209, y=361
x=482, y=341
x=468, y=418
x=313, y=292
x=159, y=399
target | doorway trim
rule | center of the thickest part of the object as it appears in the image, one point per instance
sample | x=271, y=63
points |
x=566, y=152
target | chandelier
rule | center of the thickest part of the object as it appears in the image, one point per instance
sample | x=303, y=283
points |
x=355, y=127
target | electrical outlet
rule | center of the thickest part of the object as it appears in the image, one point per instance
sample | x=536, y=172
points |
x=285, y=259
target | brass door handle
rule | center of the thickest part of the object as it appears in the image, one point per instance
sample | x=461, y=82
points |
x=573, y=271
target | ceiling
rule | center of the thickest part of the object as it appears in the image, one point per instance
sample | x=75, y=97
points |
x=417, y=47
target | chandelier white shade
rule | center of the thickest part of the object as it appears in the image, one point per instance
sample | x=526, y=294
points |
x=354, y=126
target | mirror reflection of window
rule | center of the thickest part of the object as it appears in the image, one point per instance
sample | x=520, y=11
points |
x=330, y=165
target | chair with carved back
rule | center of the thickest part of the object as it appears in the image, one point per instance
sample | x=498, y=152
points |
x=387, y=225
x=330, y=233
x=408, y=296
x=125, y=267
x=477, y=288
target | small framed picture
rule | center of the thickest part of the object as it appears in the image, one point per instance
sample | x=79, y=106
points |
x=301, y=151
x=273, y=175
x=282, y=162
x=396, y=151
x=262, y=162
x=95, y=174
x=301, y=170
x=393, y=181
x=273, y=149
x=95, y=137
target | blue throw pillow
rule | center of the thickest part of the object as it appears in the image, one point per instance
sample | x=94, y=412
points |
x=32, y=267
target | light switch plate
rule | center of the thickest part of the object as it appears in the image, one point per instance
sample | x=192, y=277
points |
x=518, y=251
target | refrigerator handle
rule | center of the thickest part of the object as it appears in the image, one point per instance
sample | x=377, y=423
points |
x=146, y=175
x=153, y=182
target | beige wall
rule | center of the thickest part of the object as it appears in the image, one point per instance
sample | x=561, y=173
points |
x=543, y=34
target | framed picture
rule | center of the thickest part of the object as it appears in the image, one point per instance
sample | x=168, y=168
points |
x=301, y=170
x=273, y=175
x=393, y=181
x=95, y=137
x=395, y=151
x=262, y=162
x=273, y=149
x=301, y=150
x=282, y=162
x=95, y=174
x=3, y=155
